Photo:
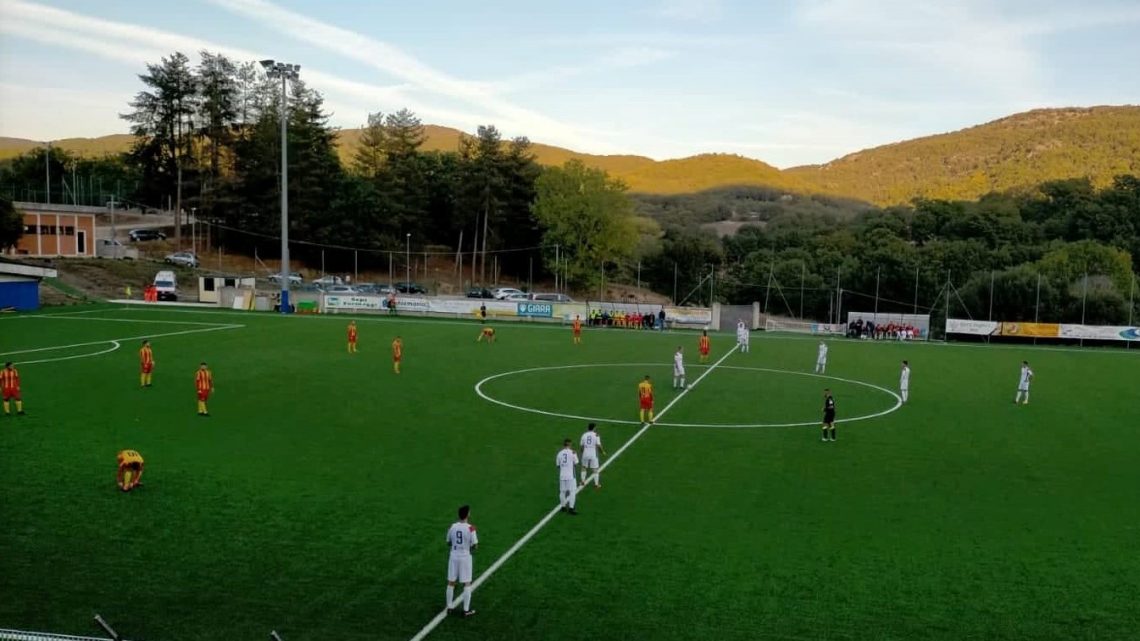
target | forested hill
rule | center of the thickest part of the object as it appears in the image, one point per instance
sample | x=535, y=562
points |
x=1016, y=152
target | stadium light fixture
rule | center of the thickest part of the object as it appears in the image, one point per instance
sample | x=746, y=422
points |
x=286, y=72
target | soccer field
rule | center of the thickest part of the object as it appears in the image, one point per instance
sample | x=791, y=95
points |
x=315, y=498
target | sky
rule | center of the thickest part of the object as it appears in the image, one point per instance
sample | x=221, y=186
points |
x=787, y=82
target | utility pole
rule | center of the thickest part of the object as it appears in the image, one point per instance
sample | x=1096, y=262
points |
x=916, y=290
x=991, y=316
x=47, y=173
x=285, y=72
x=114, y=240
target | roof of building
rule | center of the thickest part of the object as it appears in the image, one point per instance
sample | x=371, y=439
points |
x=21, y=269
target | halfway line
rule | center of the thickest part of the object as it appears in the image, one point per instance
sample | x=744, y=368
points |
x=439, y=618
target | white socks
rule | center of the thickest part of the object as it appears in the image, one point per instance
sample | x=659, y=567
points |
x=905, y=395
x=583, y=477
x=677, y=385
x=450, y=595
x=467, y=598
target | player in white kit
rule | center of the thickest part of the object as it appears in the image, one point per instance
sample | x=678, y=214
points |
x=591, y=444
x=821, y=358
x=566, y=459
x=1023, y=384
x=742, y=335
x=461, y=538
x=678, y=369
x=904, y=381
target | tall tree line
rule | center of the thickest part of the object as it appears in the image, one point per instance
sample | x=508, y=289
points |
x=208, y=137
x=1058, y=253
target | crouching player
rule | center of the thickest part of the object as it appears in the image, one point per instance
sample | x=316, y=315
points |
x=130, y=470
x=488, y=334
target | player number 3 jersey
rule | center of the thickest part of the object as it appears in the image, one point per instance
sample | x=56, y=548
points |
x=461, y=537
x=566, y=460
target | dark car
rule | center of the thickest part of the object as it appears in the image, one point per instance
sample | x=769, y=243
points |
x=139, y=235
x=479, y=292
x=410, y=288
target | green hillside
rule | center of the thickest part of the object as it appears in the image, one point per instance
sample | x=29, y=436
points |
x=112, y=144
x=1019, y=151
x=707, y=171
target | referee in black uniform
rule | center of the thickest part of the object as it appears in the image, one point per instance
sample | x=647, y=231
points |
x=828, y=416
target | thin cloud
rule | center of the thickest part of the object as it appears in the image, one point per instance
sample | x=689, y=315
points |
x=691, y=10
x=621, y=58
x=968, y=43
x=136, y=45
x=395, y=62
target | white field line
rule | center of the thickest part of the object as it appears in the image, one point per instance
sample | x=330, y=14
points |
x=53, y=314
x=598, y=419
x=439, y=618
x=114, y=346
x=121, y=320
x=123, y=339
x=760, y=335
x=419, y=320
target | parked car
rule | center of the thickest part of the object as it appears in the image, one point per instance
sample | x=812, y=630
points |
x=327, y=280
x=342, y=290
x=111, y=248
x=516, y=297
x=140, y=235
x=502, y=292
x=553, y=298
x=182, y=259
x=479, y=292
x=294, y=278
x=410, y=288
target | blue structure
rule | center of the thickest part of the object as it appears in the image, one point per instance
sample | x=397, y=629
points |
x=20, y=286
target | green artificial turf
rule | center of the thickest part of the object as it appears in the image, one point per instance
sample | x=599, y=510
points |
x=315, y=499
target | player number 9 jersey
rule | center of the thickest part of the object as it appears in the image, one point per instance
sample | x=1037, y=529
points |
x=461, y=537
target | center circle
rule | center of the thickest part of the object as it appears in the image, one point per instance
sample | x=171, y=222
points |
x=535, y=410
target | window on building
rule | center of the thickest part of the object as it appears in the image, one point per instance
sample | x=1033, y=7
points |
x=208, y=284
x=69, y=231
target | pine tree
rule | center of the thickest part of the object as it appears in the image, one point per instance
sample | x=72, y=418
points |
x=161, y=122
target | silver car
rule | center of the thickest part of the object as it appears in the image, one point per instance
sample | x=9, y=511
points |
x=501, y=293
x=182, y=259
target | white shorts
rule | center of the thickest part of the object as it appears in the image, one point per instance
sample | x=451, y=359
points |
x=590, y=461
x=459, y=569
x=903, y=388
x=678, y=371
x=821, y=361
x=1023, y=387
x=567, y=485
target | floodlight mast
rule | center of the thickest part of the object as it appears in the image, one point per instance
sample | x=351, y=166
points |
x=285, y=72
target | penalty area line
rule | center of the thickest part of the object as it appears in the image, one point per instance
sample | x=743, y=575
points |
x=439, y=618
x=122, y=340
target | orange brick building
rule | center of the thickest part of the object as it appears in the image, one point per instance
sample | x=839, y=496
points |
x=48, y=231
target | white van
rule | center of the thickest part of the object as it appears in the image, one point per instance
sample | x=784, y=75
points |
x=164, y=284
